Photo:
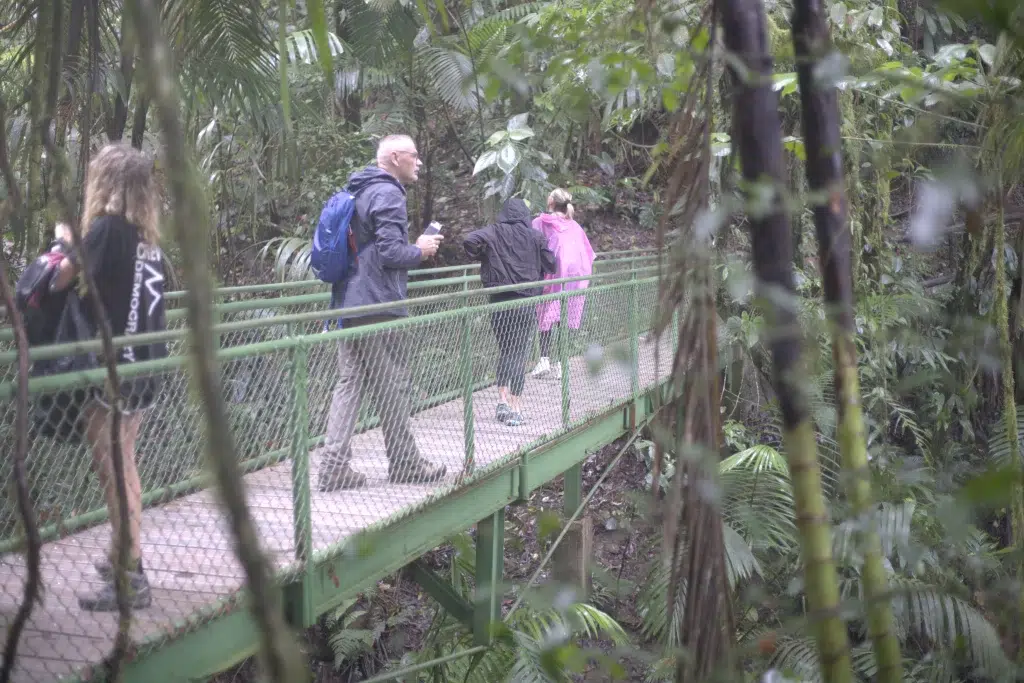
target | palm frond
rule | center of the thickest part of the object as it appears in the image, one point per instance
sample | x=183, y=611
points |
x=289, y=256
x=450, y=74
x=999, y=445
x=798, y=657
x=892, y=522
x=508, y=15
x=950, y=623
x=302, y=47
x=758, y=498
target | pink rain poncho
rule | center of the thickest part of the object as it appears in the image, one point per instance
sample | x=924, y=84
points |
x=575, y=258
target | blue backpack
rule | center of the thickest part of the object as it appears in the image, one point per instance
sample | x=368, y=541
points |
x=334, y=245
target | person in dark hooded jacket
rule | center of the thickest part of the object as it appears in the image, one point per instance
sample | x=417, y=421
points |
x=511, y=252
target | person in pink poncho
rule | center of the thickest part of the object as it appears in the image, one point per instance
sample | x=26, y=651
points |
x=575, y=259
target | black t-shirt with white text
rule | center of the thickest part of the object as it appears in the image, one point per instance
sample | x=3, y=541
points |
x=129, y=276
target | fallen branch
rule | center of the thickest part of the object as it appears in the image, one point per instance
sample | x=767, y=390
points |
x=33, y=543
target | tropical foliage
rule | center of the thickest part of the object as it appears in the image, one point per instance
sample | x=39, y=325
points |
x=631, y=106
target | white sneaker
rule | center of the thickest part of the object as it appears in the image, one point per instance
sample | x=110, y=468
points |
x=542, y=368
x=556, y=371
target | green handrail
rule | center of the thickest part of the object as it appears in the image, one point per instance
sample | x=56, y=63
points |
x=422, y=272
x=322, y=298
x=320, y=316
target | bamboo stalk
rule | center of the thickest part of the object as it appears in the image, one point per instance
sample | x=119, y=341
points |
x=1002, y=320
x=823, y=143
x=759, y=139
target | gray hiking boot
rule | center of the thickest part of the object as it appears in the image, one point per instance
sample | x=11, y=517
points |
x=515, y=419
x=105, y=599
x=502, y=412
x=419, y=471
x=338, y=477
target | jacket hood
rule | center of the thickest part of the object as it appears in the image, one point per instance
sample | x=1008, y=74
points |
x=514, y=211
x=556, y=223
x=370, y=175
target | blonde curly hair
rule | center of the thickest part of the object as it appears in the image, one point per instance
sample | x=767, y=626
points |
x=121, y=182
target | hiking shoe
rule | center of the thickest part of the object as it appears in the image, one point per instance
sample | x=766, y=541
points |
x=514, y=419
x=542, y=368
x=502, y=412
x=105, y=568
x=338, y=477
x=417, y=472
x=105, y=599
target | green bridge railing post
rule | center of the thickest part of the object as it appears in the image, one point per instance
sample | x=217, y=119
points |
x=302, y=516
x=466, y=361
x=490, y=564
x=563, y=355
x=634, y=332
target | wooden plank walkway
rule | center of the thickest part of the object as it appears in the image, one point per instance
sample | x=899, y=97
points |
x=188, y=549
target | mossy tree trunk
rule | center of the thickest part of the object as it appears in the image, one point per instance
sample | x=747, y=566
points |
x=759, y=138
x=822, y=140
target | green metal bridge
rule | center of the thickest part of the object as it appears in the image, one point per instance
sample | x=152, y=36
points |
x=279, y=368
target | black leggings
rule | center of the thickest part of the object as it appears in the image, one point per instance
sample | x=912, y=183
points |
x=545, y=340
x=545, y=344
x=513, y=330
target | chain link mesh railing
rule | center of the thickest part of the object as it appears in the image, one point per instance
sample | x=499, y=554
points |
x=337, y=431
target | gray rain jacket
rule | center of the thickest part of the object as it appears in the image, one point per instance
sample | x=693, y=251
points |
x=381, y=228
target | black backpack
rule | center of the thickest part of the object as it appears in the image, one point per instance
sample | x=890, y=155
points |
x=54, y=318
x=40, y=308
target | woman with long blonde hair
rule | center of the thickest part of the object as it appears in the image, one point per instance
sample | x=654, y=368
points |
x=120, y=246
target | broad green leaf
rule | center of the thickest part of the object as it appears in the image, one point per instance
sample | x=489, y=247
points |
x=988, y=54
x=700, y=41
x=796, y=146
x=498, y=137
x=670, y=98
x=780, y=81
x=508, y=157
x=518, y=121
x=666, y=65
x=519, y=134
x=838, y=12
x=876, y=16
x=486, y=160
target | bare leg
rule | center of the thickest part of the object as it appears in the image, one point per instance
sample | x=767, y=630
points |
x=98, y=435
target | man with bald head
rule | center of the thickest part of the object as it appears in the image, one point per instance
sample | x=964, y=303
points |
x=376, y=365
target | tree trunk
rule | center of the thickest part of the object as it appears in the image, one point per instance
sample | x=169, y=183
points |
x=118, y=118
x=37, y=103
x=139, y=122
x=823, y=142
x=351, y=101
x=759, y=142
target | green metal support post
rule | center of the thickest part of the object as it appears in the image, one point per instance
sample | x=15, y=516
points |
x=634, y=333
x=490, y=563
x=563, y=357
x=469, y=427
x=302, y=608
x=572, y=489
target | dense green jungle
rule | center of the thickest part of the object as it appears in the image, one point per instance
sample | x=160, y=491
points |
x=838, y=494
